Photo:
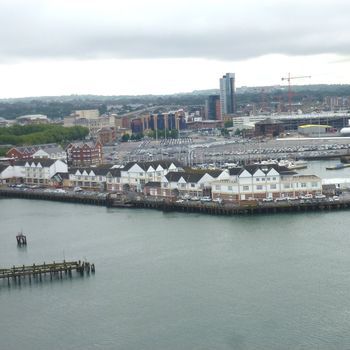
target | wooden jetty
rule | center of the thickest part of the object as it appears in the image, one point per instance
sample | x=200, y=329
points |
x=38, y=272
x=187, y=206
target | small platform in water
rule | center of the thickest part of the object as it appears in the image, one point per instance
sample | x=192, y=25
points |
x=21, y=239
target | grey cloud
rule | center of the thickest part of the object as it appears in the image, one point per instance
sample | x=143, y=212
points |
x=29, y=30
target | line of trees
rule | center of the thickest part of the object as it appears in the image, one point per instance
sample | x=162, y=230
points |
x=41, y=133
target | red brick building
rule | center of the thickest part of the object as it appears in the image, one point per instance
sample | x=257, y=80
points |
x=106, y=135
x=84, y=153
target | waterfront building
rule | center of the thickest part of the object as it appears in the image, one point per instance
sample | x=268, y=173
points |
x=90, y=178
x=84, y=153
x=257, y=182
x=193, y=183
x=228, y=94
x=33, y=172
x=134, y=175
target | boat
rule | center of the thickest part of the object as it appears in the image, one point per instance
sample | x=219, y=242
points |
x=293, y=165
x=338, y=166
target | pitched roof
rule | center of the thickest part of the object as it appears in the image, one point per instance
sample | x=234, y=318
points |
x=47, y=147
x=174, y=176
x=3, y=167
x=115, y=172
x=44, y=162
x=252, y=168
x=97, y=171
x=165, y=164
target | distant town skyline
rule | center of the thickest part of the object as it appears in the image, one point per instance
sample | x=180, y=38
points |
x=105, y=47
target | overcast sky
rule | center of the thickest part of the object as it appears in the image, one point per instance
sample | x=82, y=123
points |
x=115, y=47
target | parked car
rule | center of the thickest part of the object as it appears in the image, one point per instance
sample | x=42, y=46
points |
x=78, y=189
x=306, y=196
x=335, y=198
x=281, y=199
x=180, y=201
x=320, y=196
x=217, y=200
x=268, y=199
x=206, y=199
x=194, y=198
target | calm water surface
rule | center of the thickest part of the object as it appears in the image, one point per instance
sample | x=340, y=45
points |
x=177, y=281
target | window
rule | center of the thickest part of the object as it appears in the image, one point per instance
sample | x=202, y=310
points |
x=273, y=187
x=303, y=184
x=314, y=184
x=245, y=188
x=230, y=188
x=183, y=185
x=274, y=179
x=286, y=185
x=257, y=179
x=268, y=179
x=259, y=187
x=193, y=185
x=218, y=187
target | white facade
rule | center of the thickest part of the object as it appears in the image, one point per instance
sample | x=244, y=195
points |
x=261, y=184
x=41, y=172
x=87, y=178
x=52, y=154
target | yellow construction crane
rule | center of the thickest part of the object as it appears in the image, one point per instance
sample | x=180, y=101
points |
x=289, y=78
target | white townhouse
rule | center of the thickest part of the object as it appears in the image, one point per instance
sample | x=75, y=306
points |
x=191, y=182
x=263, y=181
x=41, y=171
x=89, y=178
x=8, y=174
x=135, y=175
x=33, y=171
x=52, y=152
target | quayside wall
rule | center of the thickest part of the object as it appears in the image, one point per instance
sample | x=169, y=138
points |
x=209, y=208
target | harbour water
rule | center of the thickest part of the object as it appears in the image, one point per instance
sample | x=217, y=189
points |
x=176, y=281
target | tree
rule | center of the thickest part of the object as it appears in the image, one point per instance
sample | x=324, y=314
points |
x=125, y=138
x=228, y=124
x=238, y=132
x=224, y=132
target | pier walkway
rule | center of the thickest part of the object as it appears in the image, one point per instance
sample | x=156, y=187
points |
x=38, y=272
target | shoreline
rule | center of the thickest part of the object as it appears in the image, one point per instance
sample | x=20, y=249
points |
x=209, y=208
